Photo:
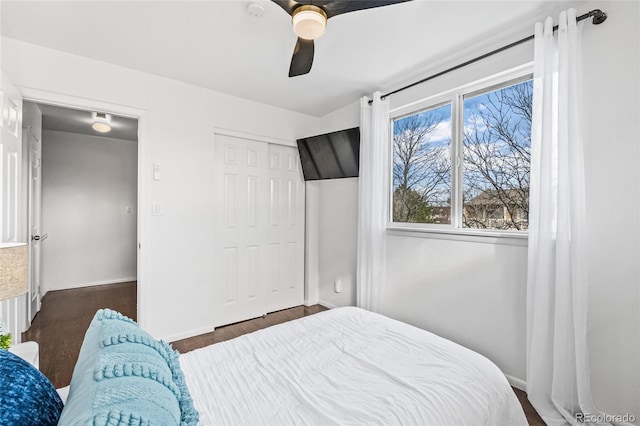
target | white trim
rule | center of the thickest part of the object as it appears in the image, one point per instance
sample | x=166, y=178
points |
x=92, y=284
x=432, y=102
x=251, y=136
x=327, y=304
x=114, y=281
x=311, y=244
x=76, y=102
x=516, y=383
x=441, y=98
x=456, y=153
x=310, y=301
x=60, y=99
x=144, y=161
x=187, y=334
x=460, y=234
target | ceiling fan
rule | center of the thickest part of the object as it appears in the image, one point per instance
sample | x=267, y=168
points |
x=309, y=19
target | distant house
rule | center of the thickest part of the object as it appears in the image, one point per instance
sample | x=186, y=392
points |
x=504, y=209
x=440, y=214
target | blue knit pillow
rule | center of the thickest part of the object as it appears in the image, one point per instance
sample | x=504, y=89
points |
x=124, y=377
x=27, y=397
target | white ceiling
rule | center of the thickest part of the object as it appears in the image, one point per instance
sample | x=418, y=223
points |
x=218, y=45
x=79, y=121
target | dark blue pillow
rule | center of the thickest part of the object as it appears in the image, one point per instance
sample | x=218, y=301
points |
x=27, y=397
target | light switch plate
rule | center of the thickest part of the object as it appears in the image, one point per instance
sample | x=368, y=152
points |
x=156, y=209
x=156, y=171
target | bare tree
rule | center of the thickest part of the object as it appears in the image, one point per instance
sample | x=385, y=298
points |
x=421, y=171
x=497, y=158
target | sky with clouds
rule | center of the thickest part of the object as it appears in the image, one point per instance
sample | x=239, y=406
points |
x=440, y=137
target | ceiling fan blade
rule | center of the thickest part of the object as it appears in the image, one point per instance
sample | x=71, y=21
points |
x=287, y=5
x=302, y=58
x=338, y=7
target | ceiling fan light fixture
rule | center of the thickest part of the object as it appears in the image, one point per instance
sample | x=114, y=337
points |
x=101, y=122
x=309, y=22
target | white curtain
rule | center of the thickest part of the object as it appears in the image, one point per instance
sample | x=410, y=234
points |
x=557, y=364
x=372, y=201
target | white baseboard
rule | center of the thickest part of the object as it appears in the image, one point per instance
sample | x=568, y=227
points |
x=45, y=290
x=327, y=304
x=517, y=383
x=310, y=302
x=187, y=334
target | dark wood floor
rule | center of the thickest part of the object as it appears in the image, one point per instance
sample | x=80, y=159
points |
x=533, y=417
x=234, y=330
x=65, y=315
x=60, y=325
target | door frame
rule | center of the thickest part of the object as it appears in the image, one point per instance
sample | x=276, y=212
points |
x=74, y=102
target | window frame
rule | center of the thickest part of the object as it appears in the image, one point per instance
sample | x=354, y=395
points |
x=456, y=97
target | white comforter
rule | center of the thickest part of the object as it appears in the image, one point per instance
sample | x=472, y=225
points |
x=347, y=366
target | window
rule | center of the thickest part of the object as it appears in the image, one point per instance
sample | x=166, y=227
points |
x=487, y=130
x=422, y=167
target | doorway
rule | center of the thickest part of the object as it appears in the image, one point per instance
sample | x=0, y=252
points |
x=82, y=203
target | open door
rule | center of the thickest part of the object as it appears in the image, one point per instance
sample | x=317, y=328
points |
x=35, y=238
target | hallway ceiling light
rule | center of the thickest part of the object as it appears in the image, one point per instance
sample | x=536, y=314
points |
x=101, y=122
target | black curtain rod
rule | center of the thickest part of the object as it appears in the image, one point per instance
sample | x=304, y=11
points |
x=598, y=18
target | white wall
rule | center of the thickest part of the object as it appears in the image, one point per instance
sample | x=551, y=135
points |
x=336, y=221
x=338, y=241
x=88, y=182
x=474, y=293
x=177, y=131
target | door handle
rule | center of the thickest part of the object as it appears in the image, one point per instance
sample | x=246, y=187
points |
x=39, y=237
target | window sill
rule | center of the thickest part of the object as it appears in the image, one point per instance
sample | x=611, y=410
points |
x=477, y=236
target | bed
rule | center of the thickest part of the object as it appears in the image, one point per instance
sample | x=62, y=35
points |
x=342, y=366
x=347, y=366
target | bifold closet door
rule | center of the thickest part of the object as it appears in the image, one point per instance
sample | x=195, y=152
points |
x=259, y=238
x=285, y=235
